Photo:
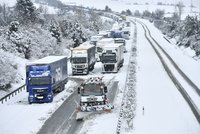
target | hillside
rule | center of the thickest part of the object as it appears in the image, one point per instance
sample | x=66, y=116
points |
x=49, y=34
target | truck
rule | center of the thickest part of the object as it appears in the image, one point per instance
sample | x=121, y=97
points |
x=126, y=33
x=44, y=77
x=83, y=59
x=99, y=46
x=93, y=97
x=94, y=39
x=117, y=34
x=123, y=41
x=112, y=57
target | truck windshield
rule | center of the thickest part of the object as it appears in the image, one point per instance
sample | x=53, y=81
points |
x=92, y=89
x=79, y=60
x=108, y=58
x=37, y=81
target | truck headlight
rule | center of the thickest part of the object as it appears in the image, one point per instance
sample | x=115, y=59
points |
x=31, y=96
x=49, y=96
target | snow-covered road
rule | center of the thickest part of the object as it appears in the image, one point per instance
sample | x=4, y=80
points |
x=165, y=110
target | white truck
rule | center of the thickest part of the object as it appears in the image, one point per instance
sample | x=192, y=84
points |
x=93, y=98
x=112, y=57
x=83, y=59
x=99, y=47
x=126, y=33
x=94, y=39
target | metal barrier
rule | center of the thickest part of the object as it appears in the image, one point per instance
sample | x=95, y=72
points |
x=12, y=94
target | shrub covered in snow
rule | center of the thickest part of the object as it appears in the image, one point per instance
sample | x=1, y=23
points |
x=7, y=71
x=187, y=32
x=30, y=35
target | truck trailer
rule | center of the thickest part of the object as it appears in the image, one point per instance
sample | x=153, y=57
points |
x=112, y=57
x=45, y=77
x=94, y=39
x=83, y=59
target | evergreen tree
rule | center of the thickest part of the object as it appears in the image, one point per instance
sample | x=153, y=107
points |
x=25, y=11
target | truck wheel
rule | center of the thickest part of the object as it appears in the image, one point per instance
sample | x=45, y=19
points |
x=63, y=87
x=92, y=67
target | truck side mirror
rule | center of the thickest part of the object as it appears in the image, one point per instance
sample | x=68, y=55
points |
x=78, y=90
x=105, y=89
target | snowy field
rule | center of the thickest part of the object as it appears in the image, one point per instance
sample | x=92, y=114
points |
x=17, y=116
x=129, y=4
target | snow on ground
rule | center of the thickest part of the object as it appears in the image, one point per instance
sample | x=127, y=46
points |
x=49, y=9
x=165, y=110
x=125, y=4
x=20, y=64
x=17, y=116
x=8, y=2
x=181, y=56
x=184, y=60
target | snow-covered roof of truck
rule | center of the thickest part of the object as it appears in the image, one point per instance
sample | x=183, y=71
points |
x=47, y=60
x=106, y=40
x=113, y=45
x=83, y=46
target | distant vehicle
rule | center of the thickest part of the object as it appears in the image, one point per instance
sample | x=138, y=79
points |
x=95, y=39
x=105, y=34
x=112, y=57
x=126, y=33
x=99, y=46
x=123, y=41
x=117, y=34
x=83, y=59
x=128, y=23
x=93, y=97
x=45, y=77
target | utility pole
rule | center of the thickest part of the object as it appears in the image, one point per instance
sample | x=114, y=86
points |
x=175, y=7
x=191, y=6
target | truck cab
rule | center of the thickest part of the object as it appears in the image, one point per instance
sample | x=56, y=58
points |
x=92, y=94
x=45, y=77
x=112, y=58
x=39, y=84
x=83, y=59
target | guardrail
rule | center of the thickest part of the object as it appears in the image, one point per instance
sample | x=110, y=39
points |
x=12, y=94
x=127, y=112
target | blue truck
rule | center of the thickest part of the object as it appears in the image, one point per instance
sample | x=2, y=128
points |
x=45, y=77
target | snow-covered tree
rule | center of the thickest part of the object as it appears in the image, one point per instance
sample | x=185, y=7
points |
x=25, y=11
x=159, y=14
x=146, y=13
x=55, y=32
x=7, y=70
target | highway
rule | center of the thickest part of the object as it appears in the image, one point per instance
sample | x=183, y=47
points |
x=63, y=121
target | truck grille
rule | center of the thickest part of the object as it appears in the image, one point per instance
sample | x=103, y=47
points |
x=79, y=66
x=41, y=90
